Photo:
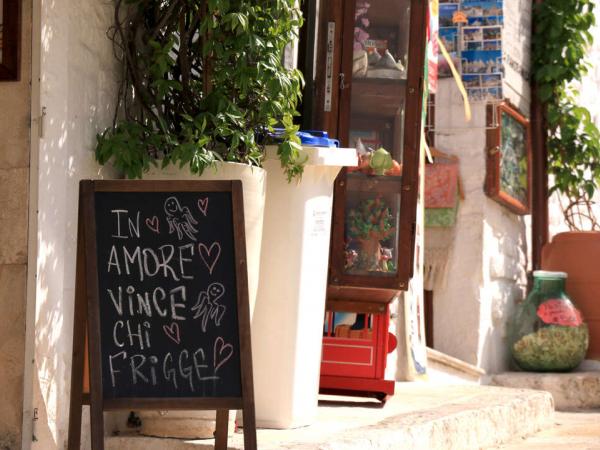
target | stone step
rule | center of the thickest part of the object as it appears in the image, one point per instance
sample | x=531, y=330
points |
x=443, y=368
x=571, y=391
x=418, y=416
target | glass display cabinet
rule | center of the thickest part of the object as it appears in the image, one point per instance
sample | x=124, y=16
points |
x=371, y=96
x=370, y=78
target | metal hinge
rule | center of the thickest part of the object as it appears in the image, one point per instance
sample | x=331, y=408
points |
x=41, y=119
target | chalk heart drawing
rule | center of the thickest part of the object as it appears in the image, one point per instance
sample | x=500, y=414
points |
x=172, y=332
x=152, y=224
x=210, y=255
x=223, y=352
x=203, y=205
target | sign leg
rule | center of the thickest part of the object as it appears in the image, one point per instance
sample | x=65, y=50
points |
x=221, y=429
x=75, y=417
x=79, y=346
x=249, y=427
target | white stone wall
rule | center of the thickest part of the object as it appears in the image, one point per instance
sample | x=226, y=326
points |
x=516, y=52
x=78, y=89
x=505, y=264
x=490, y=254
x=505, y=247
x=457, y=304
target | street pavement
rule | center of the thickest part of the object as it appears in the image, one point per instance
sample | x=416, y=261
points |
x=571, y=430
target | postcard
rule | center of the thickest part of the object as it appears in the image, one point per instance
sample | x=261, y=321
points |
x=447, y=11
x=449, y=37
x=480, y=61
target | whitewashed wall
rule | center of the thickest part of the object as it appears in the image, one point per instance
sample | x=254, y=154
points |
x=516, y=52
x=506, y=253
x=457, y=302
x=490, y=254
x=78, y=90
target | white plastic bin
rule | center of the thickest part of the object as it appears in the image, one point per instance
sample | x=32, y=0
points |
x=288, y=318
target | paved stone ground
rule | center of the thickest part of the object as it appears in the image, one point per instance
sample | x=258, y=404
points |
x=571, y=430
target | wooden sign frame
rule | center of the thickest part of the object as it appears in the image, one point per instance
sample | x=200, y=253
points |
x=495, y=149
x=86, y=328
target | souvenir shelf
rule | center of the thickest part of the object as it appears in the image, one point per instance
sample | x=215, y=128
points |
x=369, y=95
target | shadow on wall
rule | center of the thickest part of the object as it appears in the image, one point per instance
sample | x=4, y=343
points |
x=78, y=88
x=507, y=254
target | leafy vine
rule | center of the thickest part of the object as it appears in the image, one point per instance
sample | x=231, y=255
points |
x=561, y=39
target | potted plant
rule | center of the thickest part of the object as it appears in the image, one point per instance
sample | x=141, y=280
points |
x=573, y=143
x=203, y=86
x=203, y=82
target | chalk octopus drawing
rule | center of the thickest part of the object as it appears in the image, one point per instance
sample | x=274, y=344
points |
x=207, y=307
x=180, y=219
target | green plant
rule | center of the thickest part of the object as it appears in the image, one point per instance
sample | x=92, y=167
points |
x=202, y=81
x=560, y=41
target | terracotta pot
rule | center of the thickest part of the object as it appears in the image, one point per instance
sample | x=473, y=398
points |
x=578, y=254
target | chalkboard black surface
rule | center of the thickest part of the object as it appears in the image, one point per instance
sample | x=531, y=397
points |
x=161, y=303
x=167, y=294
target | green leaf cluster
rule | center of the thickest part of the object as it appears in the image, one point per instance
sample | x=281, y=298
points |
x=203, y=81
x=560, y=41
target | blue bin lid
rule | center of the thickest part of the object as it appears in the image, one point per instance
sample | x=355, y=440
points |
x=313, y=138
x=317, y=138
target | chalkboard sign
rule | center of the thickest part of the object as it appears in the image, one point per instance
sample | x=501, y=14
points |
x=162, y=287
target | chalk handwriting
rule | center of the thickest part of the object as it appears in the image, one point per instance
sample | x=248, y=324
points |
x=203, y=205
x=153, y=224
x=180, y=219
x=207, y=307
x=222, y=353
x=134, y=227
x=210, y=255
x=146, y=294
x=124, y=333
x=172, y=332
x=146, y=303
x=184, y=368
x=167, y=261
